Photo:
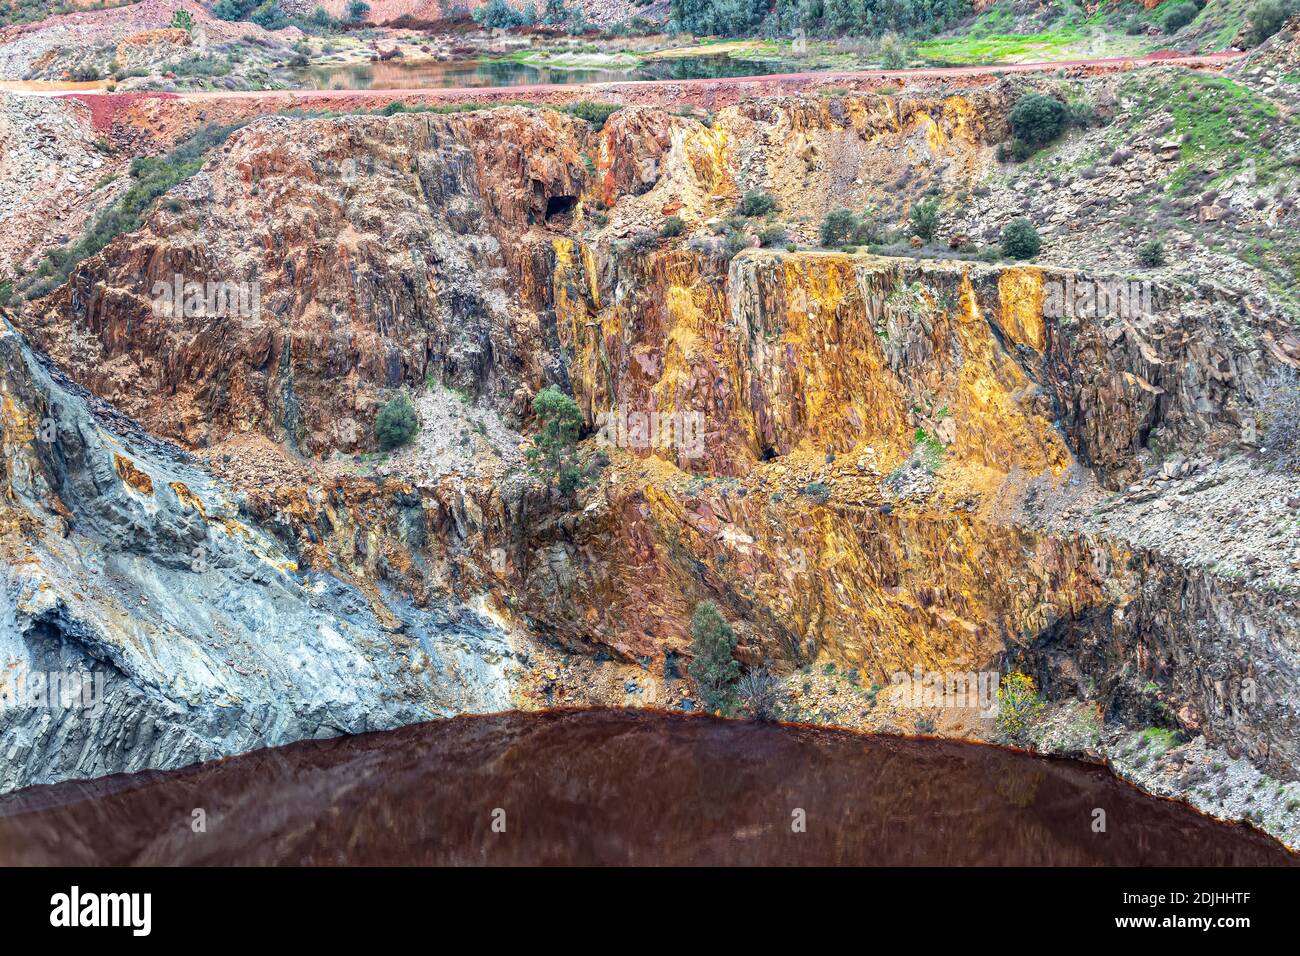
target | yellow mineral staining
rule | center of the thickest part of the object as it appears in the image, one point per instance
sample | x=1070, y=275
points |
x=694, y=309
x=578, y=329
x=187, y=497
x=1020, y=291
x=995, y=426
x=589, y=267
x=708, y=160
x=131, y=475
x=564, y=278
x=962, y=120
x=934, y=134
x=884, y=592
x=18, y=424
x=829, y=384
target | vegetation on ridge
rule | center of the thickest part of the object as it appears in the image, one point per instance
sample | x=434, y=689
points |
x=153, y=175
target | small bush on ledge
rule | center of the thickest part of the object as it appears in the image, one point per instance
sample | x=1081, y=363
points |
x=396, y=423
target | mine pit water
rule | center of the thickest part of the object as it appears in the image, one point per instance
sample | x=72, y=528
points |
x=433, y=74
x=618, y=787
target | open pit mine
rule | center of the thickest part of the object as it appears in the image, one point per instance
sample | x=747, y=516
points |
x=320, y=418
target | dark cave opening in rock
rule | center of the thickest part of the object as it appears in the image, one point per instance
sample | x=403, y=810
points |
x=559, y=206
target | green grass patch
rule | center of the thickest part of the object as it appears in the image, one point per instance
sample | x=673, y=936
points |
x=1062, y=43
x=1216, y=118
x=1158, y=740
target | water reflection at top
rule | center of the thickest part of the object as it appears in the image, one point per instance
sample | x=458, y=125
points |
x=480, y=73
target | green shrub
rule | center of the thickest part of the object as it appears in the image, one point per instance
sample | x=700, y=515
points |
x=1082, y=114
x=712, y=666
x=843, y=228
x=1178, y=15
x=1016, y=150
x=925, y=219
x=673, y=226
x=837, y=228
x=269, y=16
x=1037, y=119
x=205, y=66
x=321, y=19
x=1020, y=239
x=770, y=236
x=182, y=20
x=1152, y=254
x=817, y=490
x=757, y=203
x=498, y=15
x=554, y=455
x=594, y=113
x=1267, y=17
x=1018, y=704
x=231, y=9
x=734, y=242
x=396, y=423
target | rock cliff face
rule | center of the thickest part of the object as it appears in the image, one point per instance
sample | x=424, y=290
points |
x=902, y=463
x=124, y=560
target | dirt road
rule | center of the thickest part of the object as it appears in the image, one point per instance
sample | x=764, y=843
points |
x=190, y=109
x=1210, y=61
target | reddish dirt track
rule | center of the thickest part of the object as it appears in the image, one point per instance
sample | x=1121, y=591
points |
x=818, y=78
x=187, y=110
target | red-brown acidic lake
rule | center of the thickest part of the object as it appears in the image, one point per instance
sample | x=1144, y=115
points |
x=619, y=787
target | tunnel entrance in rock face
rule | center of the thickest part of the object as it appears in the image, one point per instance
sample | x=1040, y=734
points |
x=559, y=206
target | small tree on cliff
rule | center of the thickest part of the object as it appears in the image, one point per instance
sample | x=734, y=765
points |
x=844, y=228
x=925, y=219
x=713, y=668
x=554, y=455
x=396, y=423
x=1020, y=239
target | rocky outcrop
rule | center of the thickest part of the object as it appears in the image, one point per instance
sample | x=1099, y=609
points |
x=127, y=566
x=54, y=176
x=376, y=252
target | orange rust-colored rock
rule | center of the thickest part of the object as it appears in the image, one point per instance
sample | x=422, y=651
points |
x=133, y=476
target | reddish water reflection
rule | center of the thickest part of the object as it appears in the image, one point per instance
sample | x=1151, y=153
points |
x=618, y=787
